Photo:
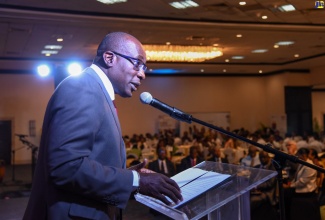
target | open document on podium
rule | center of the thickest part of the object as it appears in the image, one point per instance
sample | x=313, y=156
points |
x=193, y=182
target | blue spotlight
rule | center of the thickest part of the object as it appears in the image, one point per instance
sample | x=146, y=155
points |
x=74, y=69
x=43, y=70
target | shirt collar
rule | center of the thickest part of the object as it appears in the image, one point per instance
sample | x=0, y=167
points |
x=107, y=83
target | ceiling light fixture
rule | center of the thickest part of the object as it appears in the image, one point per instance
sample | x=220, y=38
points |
x=53, y=47
x=242, y=3
x=286, y=8
x=284, y=43
x=184, y=4
x=111, y=1
x=264, y=17
x=49, y=52
x=239, y=35
x=259, y=51
x=177, y=53
x=59, y=39
x=237, y=57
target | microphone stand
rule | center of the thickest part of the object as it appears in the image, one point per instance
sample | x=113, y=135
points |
x=14, y=165
x=279, y=156
x=278, y=161
x=34, y=150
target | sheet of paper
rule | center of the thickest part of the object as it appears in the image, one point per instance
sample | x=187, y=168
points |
x=200, y=185
x=193, y=182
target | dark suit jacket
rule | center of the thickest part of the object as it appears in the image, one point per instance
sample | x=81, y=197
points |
x=186, y=163
x=223, y=160
x=268, y=187
x=80, y=171
x=154, y=166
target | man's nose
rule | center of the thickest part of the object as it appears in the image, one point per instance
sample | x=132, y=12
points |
x=141, y=74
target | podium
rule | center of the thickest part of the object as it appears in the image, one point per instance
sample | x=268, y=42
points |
x=228, y=200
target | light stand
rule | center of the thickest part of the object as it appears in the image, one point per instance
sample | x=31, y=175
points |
x=34, y=150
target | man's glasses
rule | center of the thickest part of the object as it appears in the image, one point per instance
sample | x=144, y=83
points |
x=138, y=64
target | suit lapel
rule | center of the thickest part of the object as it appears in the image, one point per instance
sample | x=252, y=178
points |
x=108, y=98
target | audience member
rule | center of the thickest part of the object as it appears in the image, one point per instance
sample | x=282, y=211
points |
x=162, y=164
x=304, y=204
x=263, y=197
x=191, y=160
x=252, y=158
x=216, y=156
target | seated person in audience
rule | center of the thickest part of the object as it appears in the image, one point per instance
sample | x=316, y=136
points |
x=313, y=156
x=191, y=160
x=291, y=167
x=216, y=156
x=264, y=192
x=252, y=159
x=304, y=204
x=162, y=164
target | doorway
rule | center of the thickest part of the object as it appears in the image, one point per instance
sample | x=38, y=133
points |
x=5, y=140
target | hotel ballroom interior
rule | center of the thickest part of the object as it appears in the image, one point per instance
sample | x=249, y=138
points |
x=256, y=66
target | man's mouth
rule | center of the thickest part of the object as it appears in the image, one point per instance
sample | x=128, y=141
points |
x=134, y=86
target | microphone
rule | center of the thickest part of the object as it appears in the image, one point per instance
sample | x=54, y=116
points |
x=146, y=98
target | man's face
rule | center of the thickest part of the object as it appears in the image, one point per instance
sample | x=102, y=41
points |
x=125, y=77
x=162, y=153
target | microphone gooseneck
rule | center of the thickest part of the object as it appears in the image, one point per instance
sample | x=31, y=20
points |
x=146, y=98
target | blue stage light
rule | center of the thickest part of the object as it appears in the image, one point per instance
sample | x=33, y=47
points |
x=43, y=70
x=74, y=69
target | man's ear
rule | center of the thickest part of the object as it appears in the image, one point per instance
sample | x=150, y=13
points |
x=109, y=58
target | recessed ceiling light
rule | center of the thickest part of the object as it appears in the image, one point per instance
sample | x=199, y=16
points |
x=286, y=8
x=59, y=39
x=111, y=1
x=184, y=4
x=167, y=43
x=259, y=51
x=202, y=70
x=296, y=55
x=215, y=45
x=264, y=17
x=224, y=70
x=237, y=57
x=53, y=47
x=227, y=60
x=276, y=46
x=285, y=43
x=260, y=71
x=242, y=3
x=239, y=35
x=49, y=52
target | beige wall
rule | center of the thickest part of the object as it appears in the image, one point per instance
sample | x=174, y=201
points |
x=250, y=101
x=24, y=97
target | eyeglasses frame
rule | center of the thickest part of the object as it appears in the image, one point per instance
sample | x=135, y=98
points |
x=141, y=66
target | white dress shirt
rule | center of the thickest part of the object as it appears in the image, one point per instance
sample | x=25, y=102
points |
x=110, y=90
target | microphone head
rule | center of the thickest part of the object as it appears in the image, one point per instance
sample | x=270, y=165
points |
x=146, y=97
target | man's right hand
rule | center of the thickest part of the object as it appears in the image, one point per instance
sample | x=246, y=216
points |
x=158, y=186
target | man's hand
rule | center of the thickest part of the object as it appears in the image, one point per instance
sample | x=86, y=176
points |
x=158, y=186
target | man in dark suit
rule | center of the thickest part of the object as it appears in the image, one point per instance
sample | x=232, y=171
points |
x=191, y=160
x=263, y=197
x=162, y=164
x=81, y=169
x=216, y=156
